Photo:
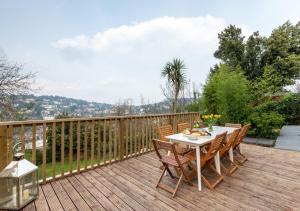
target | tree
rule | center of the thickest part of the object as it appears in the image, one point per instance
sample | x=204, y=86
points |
x=12, y=82
x=254, y=49
x=283, y=52
x=123, y=108
x=231, y=47
x=174, y=71
x=227, y=93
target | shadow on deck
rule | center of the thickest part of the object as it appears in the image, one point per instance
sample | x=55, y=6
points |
x=270, y=180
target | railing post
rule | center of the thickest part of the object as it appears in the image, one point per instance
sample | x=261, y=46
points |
x=3, y=147
x=121, y=133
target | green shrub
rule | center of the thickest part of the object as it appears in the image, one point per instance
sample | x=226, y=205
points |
x=196, y=106
x=288, y=107
x=266, y=124
x=227, y=93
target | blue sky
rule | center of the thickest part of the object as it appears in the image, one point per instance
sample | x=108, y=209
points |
x=105, y=51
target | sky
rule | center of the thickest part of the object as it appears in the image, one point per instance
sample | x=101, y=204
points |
x=107, y=51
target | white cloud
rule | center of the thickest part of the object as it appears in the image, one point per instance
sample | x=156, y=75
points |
x=126, y=61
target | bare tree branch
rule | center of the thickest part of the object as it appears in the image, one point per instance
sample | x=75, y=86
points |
x=12, y=82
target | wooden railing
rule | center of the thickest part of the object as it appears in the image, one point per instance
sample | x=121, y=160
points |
x=63, y=147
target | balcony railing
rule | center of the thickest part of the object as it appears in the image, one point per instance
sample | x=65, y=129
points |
x=66, y=146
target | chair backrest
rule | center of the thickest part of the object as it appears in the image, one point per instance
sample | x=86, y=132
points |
x=233, y=125
x=164, y=131
x=241, y=135
x=230, y=141
x=182, y=126
x=166, y=146
x=215, y=146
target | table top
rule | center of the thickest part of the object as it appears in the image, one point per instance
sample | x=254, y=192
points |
x=179, y=137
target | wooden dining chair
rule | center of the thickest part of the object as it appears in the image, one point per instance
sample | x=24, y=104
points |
x=172, y=159
x=167, y=130
x=233, y=125
x=207, y=160
x=226, y=164
x=182, y=126
x=239, y=157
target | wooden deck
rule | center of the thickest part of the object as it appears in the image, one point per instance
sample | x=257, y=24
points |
x=270, y=180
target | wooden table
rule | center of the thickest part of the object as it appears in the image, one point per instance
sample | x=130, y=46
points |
x=180, y=138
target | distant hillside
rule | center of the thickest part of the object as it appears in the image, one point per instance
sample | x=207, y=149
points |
x=47, y=107
x=39, y=107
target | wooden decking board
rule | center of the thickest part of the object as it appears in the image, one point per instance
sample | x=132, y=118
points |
x=116, y=190
x=241, y=191
x=249, y=190
x=150, y=189
x=63, y=196
x=134, y=191
x=41, y=202
x=98, y=195
x=270, y=180
x=150, y=182
x=51, y=198
x=107, y=193
x=74, y=195
x=85, y=194
x=188, y=192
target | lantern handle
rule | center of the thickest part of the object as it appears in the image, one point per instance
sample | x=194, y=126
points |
x=15, y=146
x=17, y=154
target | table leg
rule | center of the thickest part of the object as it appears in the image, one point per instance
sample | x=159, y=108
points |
x=217, y=163
x=198, y=167
x=231, y=154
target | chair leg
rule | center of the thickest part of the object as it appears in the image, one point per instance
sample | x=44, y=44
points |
x=161, y=176
x=244, y=158
x=177, y=185
x=227, y=170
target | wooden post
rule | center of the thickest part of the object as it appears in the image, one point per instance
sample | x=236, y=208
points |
x=3, y=147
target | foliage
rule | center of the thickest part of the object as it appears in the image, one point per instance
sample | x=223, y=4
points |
x=266, y=124
x=268, y=84
x=253, y=56
x=211, y=119
x=227, y=93
x=280, y=52
x=231, y=47
x=174, y=71
x=288, y=107
x=196, y=106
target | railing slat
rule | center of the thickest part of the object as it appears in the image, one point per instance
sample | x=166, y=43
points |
x=104, y=142
x=78, y=147
x=135, y=139
x=85, y=145
x=121, y=139
x=62, y=144
x=146, y=133
x=99, y=144
x=53, y=150
x=126, y=138
x=110, y=141
x=143, y=134
x=131, y=136
x=22, y=138
x=92, y=143
x=33, y=154
x=44, y=174
x=71, y=148
x=115, y=139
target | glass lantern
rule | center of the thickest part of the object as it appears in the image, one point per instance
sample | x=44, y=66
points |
x=18, y=183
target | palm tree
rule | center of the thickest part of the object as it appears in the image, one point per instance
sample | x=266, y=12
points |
x=174, y=71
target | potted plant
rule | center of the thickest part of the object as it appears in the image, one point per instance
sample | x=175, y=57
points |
x=210, y=120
